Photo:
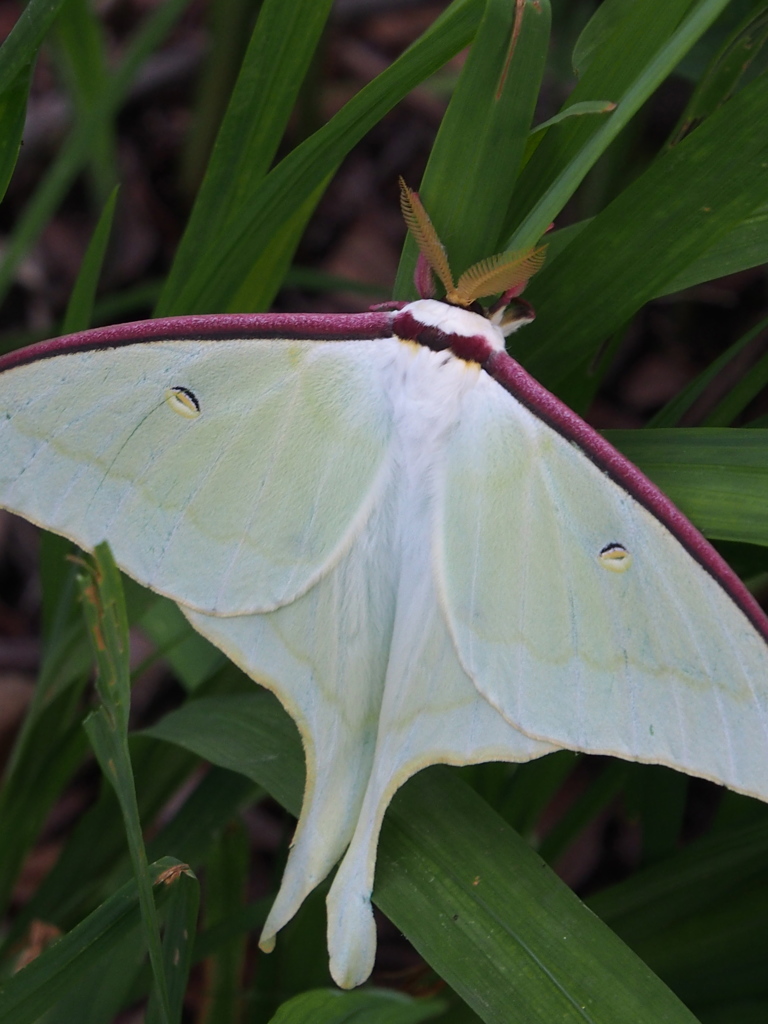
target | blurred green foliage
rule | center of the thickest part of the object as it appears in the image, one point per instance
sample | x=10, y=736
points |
x=509, y=940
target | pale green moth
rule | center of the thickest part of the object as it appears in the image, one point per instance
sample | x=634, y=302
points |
x=383, y=519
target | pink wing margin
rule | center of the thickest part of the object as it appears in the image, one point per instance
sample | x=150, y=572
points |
x=309, y=326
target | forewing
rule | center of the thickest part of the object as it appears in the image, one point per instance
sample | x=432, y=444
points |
x=237, y=505
x=654, y=662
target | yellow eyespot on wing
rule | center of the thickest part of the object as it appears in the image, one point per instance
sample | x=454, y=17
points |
x=183, y=401
x=615, y=557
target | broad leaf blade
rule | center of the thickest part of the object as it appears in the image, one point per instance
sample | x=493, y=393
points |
x=718, y=477
x=330, y=1006
x=744, y=246
x=466, y=890
x=475, y=160
x=496, y=924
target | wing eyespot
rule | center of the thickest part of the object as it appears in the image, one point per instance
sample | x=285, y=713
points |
x=183, y=401
x=615, y=557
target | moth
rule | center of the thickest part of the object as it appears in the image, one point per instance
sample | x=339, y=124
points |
x=385, y=520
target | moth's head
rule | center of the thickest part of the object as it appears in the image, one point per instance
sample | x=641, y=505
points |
x=506, y=273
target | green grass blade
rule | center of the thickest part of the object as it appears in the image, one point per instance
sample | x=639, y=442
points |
x=80, y=305
x=726, y=70
x=703, y=873
x=66, y=654
x=672, y=412
x=27, y=34
x=300, y=960
x=531, y=789
x=576, y=110
x=192, y=658
x=740, y=395
x=53, y=751
x=26, y=996
x=271, y=268
x=148, y=37
x=65, y=896
x=49, y=745
x=38, y=212
x=717, y=477
x=107, y=729
x=111, y=754
x=331, y=1006
x=695, y=193
x=281, y=48
x=216, y=279
x=467, y=184
x=630, y=77
x=13, y=111
x=699, y=916
x=179, y=928
x=226, y=879
x=229, y=26
x=83, y=63
x=104, y=989
x=75, y=151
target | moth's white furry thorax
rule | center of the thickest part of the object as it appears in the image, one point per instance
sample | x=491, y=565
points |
x=455, y=320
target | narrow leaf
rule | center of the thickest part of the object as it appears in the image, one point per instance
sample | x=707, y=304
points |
x=180, y=925
x=278, y=56
x=82, y=52
x=80, y=306
x=107, y=729
x=726, y=69
x=26, y=996
x=629, y=73
x=213, y=281
x=75, y=151
x=673, y=411
x=576, y=110
x=13, y=110
x=496, y=924
x=688, y=198
x=226, y=878
x=20, y=47
x=740, y=395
